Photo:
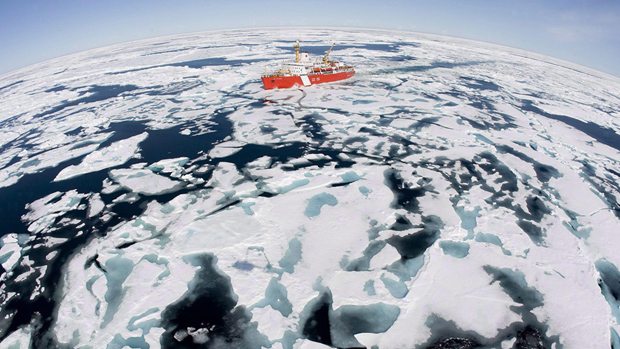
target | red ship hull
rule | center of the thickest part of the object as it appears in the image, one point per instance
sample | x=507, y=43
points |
x=271, y=82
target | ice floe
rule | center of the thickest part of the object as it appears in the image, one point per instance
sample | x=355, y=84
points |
x=116, y=154
x=144, y=181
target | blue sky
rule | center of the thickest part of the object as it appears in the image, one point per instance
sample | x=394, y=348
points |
x=584, y=32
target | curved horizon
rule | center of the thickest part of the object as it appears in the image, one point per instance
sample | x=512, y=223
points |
x=579, y=32
x=6, y=75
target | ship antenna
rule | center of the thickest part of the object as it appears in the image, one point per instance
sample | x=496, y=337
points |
x=326, y=57
x=297, y=51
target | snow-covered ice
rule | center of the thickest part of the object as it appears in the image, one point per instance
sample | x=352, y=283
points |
x=116, y=154
x=451, y=193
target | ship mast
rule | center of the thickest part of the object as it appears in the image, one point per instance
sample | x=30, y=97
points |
x=297, y=51
x=326, y=57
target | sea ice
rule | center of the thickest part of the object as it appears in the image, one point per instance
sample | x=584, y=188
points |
x=450, y=189
x=116, y=154
x=144, y=181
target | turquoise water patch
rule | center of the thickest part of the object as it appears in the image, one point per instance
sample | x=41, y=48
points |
x=276, y=296
x=350, y=176
x=468, y=219
x=407, y=269
x=492, y=239
x=375, y=229
x=89, y=288
x=228, y=196
x=292, y=256
x=363, y=263
x=369, y=288
x=609, y=284
x=117, y=271
x=144, y=325
x=349, y=320
x=120, y=342
x=160, y=167
x=155, y=259
x=5, y=257
x=454, y=248
x=247, y=207
x=317, y=202
x=364, y=190
x=397, y=288
x=615, y=339
x=155, y=168
x=74, y=201
x=166, y=208
x=577, y=229
x=483, y=139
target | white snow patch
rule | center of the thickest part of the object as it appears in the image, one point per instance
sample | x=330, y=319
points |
x=116, y=154
x=144, y=181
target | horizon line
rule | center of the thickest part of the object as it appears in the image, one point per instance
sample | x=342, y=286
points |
x=7, y=74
